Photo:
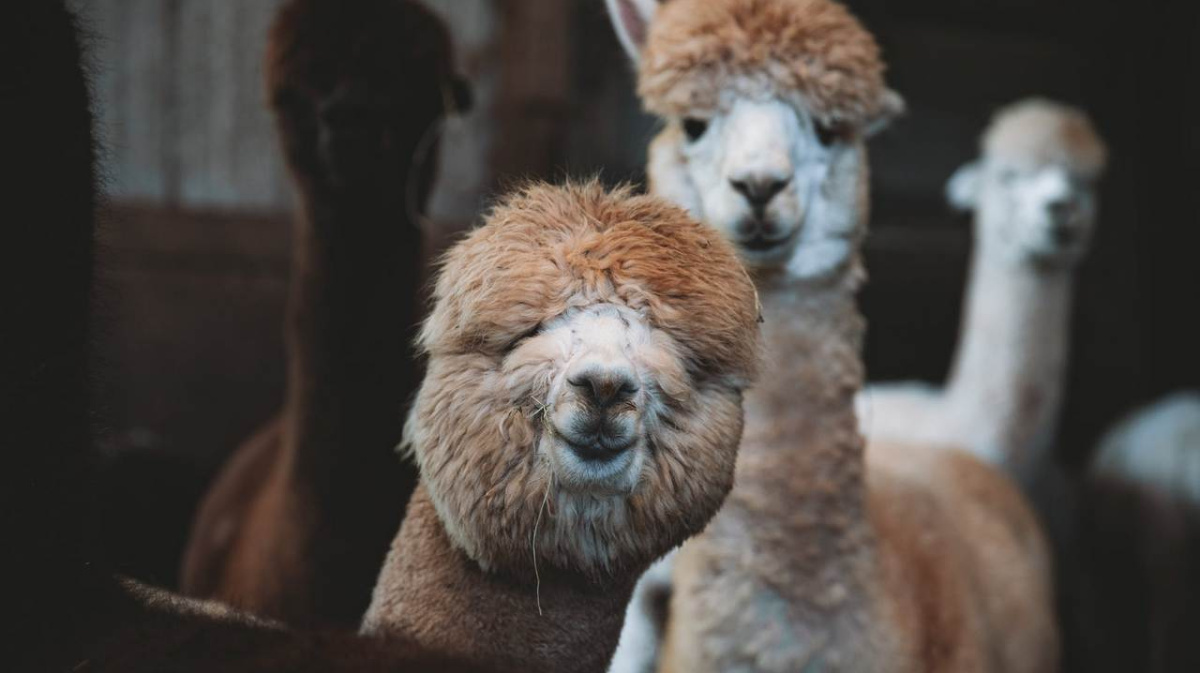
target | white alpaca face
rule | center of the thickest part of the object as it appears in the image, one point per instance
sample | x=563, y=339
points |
x=1043, y=214
x=776, y=183
x=607, y=377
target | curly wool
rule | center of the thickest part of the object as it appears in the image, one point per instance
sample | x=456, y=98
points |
x=699, y=52
x=477, y=425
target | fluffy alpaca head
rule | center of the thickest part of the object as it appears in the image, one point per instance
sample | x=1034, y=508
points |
x=358, y=89
x=582, y=405
x=1034, y=189
x=767, y=103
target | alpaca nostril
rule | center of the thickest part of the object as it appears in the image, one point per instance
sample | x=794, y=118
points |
x=1063, y=233
x=760, y=190
x=605, y=388
x=1061, y=210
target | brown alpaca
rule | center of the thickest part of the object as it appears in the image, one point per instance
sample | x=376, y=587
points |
x=297, y=524
x=73, y=616
x=828, y=555
x=580, y=417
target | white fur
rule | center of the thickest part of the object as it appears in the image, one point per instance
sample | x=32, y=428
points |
x=641, y=637
x=1158, y=446
x=1004, y=393
x=631, y=19
x=806, y=227
x=815, y=219
x=605, y=337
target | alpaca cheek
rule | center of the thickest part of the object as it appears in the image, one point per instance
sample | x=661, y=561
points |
x=661, y=362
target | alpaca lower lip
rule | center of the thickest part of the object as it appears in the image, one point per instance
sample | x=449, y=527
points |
x=761, y=243
x=613, y=474
x=601, y=449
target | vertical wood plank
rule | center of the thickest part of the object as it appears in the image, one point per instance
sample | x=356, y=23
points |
x=534, y=98
x=132, y=70
x=229, y=156
x=466, y=178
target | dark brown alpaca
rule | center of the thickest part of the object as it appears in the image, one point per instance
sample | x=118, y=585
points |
x=298, y=522
x=71, y=615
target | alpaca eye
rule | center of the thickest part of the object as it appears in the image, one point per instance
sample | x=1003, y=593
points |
x=694, y=128
x=512, y=345
x=828, y=134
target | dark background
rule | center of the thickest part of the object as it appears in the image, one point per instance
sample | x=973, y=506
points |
x=197, y=229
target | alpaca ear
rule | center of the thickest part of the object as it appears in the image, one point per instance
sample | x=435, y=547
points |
x=631, y=19
x=962, y=190
x=891, y=106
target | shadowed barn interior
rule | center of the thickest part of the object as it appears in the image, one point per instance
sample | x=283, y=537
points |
x=197, y=217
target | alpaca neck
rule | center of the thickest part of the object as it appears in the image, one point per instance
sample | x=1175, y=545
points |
x=800, y=494
x=351, y=318
x=1007, y=378
x=431, y=592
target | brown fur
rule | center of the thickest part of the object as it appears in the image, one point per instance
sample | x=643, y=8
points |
x=700, y=51
x=1038, y=132
x=476, y=428
x=843, y=557
x=297, y=524
x=544, y=251
x=829, y=555
x=130, y=628
x=964, y=559
x=69, y=615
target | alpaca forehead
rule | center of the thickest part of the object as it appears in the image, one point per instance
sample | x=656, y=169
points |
x=1040, y=180
x=758, y=124
x=1039, y=131
x=603, y=323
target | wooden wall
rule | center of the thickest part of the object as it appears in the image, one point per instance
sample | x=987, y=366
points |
x=180, y=102
x=181, y=108
x=194, y=343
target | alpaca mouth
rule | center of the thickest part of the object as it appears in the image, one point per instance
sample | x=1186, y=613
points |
x=599, y=448
x=765, y=245
x=760, y=243
x=609, y=467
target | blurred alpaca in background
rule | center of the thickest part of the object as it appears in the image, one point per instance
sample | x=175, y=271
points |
x=297, y=524
x=1033, y=193
x=1128, y=534
x=1158, y=446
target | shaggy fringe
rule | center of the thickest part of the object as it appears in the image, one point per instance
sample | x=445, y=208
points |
x=1039, y=132
x=699, y=52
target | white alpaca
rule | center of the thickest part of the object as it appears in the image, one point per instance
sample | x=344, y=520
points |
x=1033, y=193
x=818, y=557
x=1158, y=446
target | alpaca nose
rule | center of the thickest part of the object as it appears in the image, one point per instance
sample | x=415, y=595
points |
x=1061, y=209
x=760, y=189
x=603, y=425
x=604, y=387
